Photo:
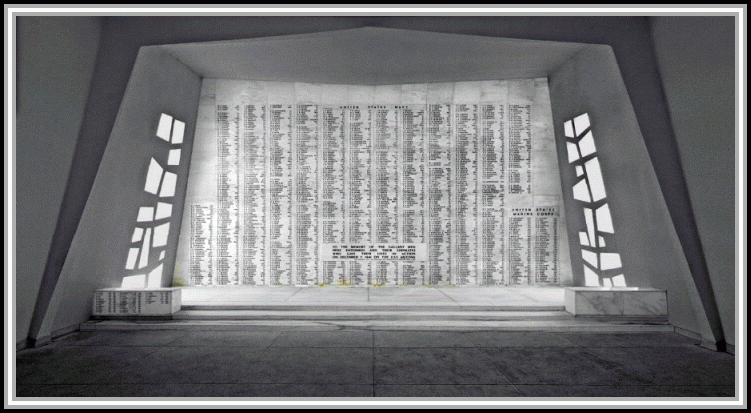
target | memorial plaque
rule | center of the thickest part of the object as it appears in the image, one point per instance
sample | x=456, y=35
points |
x=424, y=184
x=141, y=302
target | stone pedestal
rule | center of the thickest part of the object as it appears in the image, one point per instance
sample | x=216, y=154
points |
x=626, y=301
x=136, y=302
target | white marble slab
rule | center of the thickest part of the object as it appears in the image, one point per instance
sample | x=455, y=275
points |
x=136, y=302
x=616, y=301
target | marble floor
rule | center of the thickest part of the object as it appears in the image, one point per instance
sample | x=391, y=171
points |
x=450, y=296
x=351, y=362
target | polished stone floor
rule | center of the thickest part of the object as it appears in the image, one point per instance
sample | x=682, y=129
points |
x=449, y=296
x=279, y=362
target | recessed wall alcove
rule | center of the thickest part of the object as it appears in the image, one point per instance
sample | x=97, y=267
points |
x=583, y=80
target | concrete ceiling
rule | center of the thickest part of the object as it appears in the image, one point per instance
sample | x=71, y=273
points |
x=374, y=56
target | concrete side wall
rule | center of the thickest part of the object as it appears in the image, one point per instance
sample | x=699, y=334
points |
x=96, y=259
x=696, y=58
x=644, y=234
x=55, y=58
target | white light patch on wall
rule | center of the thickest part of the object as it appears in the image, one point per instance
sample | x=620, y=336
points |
x=601, y=240
x=579, y=170
x=153, y=176
x=573, y=153
x=130, y=263
x=604, y=221
x=174, y=157
x=581, y=191
x=587, y=144
x=161, y=255
x=163, y=210
x=178, y=132
x=619, y=281
x=168, y=186
x=145, y=249
x=590, y=278
x=610, y=260
x=155, y=277
x=606, y=282
x=581, y=123
x=160, y=235
x=165, y=125
x=583, y=239
x=595, y=179
x=145, y=214
x=589, y=219
x=568, y=129
x=590, y=257
x=134, y=281
x=137, y=235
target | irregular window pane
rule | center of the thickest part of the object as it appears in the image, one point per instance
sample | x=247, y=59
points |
x=606, y=282
x=145, y=249
x=604, y=221
x=132, y=256
x=581, y=191
x=610, y=260
x=587, y=144
x=174, y=157
x=134, y=281
x=588, y=218
x=590, y=278
x=168, y=186
x=161, y=255
x=568, y=129
x=583, y=239
x=595, y=179
x=153, y=177
x=145, y=214
x=601, y=241
x=163, y=210
x=590, y=257
x=165, y=124
x=178, y=132
x=137, y=234
x=160, y=235
x=581, y=123
x=155, y=277
x=619, y=281
x=579, y=170
x=573, y=153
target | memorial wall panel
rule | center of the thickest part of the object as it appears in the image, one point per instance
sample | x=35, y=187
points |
x=415, y=184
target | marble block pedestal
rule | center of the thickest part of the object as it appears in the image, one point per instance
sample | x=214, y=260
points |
x=136, y=302
x=594, y=301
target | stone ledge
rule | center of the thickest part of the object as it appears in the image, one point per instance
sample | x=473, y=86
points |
x=626, y=301
x=136, y=302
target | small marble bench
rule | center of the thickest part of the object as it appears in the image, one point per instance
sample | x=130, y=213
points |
x=136, y=302
x=616, y=301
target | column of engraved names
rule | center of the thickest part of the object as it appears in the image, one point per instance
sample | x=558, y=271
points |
x=228, y=225
x=411, y=132
x=546, y=245
x=254, y=194
x=520, y=149
x=464, y=217
x=385, y=163
x=306, y=196
x=439, y=193
x=332, y=190
x=492, y=177
x=520, y=245
x=359, y=190
x=200, y=244
x=280, y=120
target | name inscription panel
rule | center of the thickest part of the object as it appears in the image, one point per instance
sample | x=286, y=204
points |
x=418, y=184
